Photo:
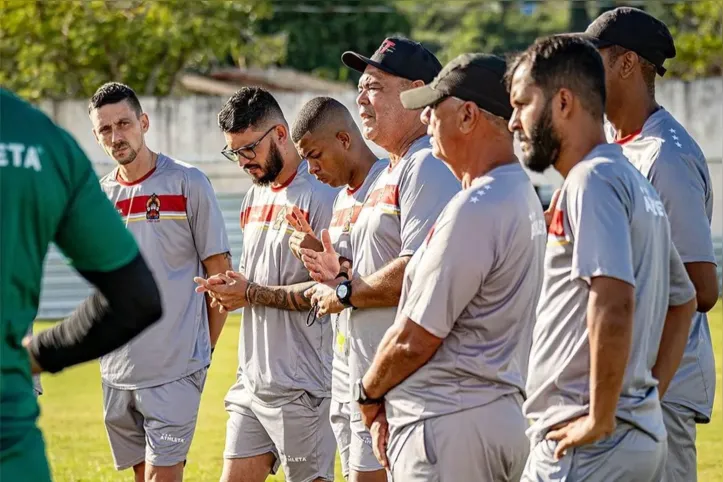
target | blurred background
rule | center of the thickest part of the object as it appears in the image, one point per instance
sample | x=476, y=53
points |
x=185, y=57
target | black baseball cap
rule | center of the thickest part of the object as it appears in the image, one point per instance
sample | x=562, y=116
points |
x=477, y=78
x=398, y=56
x=635, y=30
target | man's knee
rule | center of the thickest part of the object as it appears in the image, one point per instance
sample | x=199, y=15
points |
x=248, y=469
x=172, y=473
x=371, y=476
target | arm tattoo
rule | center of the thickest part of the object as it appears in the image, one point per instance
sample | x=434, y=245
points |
x=289, y=298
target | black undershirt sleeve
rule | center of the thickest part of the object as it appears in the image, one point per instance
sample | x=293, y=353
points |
x=125, y=303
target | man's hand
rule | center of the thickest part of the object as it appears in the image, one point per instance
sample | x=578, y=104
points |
x=228, y=291
x=303, y=236
x=35, y=368
x=370, y=412
x=380, y=438
x=323, y=295
x=551, y=207
x=323, y=266
x=581, y=431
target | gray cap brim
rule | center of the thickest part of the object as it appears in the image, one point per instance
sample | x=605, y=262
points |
x=420, y=97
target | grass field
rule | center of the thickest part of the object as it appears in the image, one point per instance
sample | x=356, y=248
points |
x=78, y=450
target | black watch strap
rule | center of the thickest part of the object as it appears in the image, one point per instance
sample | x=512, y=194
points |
x=342, y=274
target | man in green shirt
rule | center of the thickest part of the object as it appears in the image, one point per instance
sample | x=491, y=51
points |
x=50, y=193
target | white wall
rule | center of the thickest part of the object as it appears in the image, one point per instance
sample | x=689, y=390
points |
x=186, y=129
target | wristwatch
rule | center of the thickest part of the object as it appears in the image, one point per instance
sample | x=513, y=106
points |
x=343, y=292
x=361, y=396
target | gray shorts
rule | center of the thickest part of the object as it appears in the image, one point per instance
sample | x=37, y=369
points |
x=298, y=433
x=681, y=465
x=339, y=416
x=482, y=444
x=154, y=424
x=629, y=454
x=361, y=453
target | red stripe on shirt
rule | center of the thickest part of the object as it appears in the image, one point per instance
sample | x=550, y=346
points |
x=629, y=137
x=557, y=227
x=265, y=213
x=340, y=217
x=138, y=204
x=389, y=194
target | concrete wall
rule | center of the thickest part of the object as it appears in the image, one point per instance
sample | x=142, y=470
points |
x=185, y=128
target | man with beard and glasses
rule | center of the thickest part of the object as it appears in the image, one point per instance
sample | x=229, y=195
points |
x=279, y=406
x=452, y=368
x=634, y=46
x=615, y=296
x=326, y=135
x=397, y=214
x=152, y=386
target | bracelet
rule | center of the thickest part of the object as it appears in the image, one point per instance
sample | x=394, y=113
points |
x=246, y=293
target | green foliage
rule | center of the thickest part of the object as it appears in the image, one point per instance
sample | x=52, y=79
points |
x=698, y=33
x=318, y=32
x=68, y=48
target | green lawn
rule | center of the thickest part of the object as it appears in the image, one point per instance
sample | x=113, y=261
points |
x=71, y=420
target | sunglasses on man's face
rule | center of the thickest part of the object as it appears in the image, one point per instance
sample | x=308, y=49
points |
x=248, y=151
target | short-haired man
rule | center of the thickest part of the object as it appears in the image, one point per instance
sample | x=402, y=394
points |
x=634, y=46
x=614, y=288
x=152, y=386
x=279, y=406
x=450, y=373
x=396, y=217
x=49, y=193
x=326, y=135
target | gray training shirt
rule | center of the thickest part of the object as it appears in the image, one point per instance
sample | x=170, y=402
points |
x=474, y=283
x=609, y=222
x=279, y=356
x=397, y=215
x=175, y=218
x=676, y=167
x=347, y=207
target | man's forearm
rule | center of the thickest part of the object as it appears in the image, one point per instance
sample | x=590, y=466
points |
x=216, y=322
x=289, y=298
x=380, y=289
x=672, y=343
x=401, y=352
x=610, y=327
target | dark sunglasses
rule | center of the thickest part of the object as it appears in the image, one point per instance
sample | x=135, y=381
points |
x=248, y=151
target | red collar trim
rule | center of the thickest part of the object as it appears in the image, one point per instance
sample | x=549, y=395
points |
x=286, y=184
x=629, y=137
x=137, y=181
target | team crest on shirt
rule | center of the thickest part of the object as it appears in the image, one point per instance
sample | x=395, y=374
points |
x=347, y=224
x=153, y=208
x=280, y=218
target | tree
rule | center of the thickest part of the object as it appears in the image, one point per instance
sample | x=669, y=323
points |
x=58, y=49
x=698, y=33
x=316, y=34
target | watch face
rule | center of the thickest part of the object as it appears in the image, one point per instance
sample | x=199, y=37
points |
x=342, y=291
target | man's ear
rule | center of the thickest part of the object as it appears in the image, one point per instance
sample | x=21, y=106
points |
x=344, y=138
x=145, y=122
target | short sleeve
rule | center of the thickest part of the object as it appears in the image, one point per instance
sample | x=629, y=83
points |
x=91, y=233
x=598, y=216
x=450, y=270
x=682, y=189
x=424, y=190
x=681, y=287
x=205, y=216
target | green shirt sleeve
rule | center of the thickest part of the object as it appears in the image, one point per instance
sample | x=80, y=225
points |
x=91, y=233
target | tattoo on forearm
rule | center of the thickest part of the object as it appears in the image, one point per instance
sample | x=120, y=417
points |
x=290, y=298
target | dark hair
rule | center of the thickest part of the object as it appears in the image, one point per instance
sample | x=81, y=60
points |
x=648, y=69
x=248, y=108
x=565, y=61
x=112, y=93
x=317, y=113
